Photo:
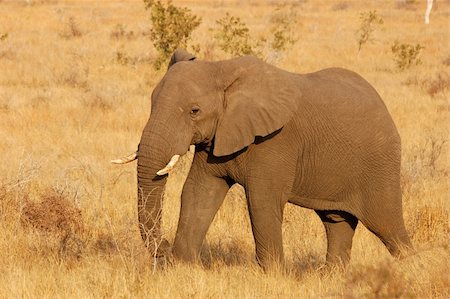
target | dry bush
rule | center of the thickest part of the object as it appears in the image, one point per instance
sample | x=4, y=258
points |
x=6, y=51
x=406, y=4
x=341, y=6
x=438, y=85
x=98, y=102
x=429, y=224
x=378, y=281
x=74, y=76
x=446, y=61
x=71, y=29
x=54, y=214
x=59, y=219
x=123, y=58
x=423, y=160
x=120, y=32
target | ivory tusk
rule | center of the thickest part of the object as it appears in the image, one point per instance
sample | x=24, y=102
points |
x=191, y=149
x=169, y=165
x=125, y=160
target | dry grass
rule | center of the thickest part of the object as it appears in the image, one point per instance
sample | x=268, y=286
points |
x=69, y=102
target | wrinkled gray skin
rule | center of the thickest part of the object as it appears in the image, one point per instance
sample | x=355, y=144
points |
x=323, y=141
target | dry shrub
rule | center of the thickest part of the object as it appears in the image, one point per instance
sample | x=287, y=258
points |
x=105, y=244
x=38, y=2
x=425, y=160
x=123, y=58
x=120, y=32
x=40, y=100
x=98, y=102
x=74, y=76
x=440, y=84
x=53, y=214
x=406, y=4
x=6, y=51
x=340, y=6
x=428, y=224
x=71, y=29
x=58, y=218
x=446, y=61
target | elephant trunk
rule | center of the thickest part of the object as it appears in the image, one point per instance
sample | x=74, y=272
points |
x=155, y=151
x=152, y=156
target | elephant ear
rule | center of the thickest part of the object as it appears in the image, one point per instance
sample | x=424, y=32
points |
x=258, y=100
x=180, y=55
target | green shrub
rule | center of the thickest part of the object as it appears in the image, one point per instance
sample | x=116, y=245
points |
x=369, y=21
x=171, y=28
x=406, y=55
x=283, y=23
x=234, y=37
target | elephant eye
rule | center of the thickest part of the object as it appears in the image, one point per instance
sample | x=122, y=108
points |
x=195, y=111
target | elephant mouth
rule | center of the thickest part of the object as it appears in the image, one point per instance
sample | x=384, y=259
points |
x=197, y=138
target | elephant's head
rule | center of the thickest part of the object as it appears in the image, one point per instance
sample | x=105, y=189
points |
x=223, y=105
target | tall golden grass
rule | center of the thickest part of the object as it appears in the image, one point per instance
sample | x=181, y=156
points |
x=74, y=93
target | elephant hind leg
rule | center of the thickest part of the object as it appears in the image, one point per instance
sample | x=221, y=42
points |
x=384, y=218
x=340, y=227
x=393, y=235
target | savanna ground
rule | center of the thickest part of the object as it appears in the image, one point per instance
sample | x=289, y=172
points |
x=75, y=81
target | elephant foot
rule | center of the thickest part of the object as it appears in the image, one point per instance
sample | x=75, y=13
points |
x=162, y=257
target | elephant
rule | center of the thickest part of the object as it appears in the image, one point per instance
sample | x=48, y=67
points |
x=323, y=140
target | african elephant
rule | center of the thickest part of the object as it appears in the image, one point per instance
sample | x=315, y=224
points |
x=322, y=140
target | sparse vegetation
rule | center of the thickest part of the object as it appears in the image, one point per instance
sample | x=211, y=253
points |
x=120, y=32
x=284, y=28
x=406, y=4
x=234, y=37
x=340, y=6
x=369, y=21
x=406, y=55
x=71, y=29
x=172, y=28
x=438, y=85
x=68, y=106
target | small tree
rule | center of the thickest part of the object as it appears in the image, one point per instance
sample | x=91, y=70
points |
x=369, y=20
x=283, y=23
x=171, y=28
x=233, y=36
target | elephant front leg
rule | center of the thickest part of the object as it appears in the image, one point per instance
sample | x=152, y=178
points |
x=266, y=215
x=201, y=198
